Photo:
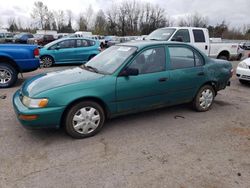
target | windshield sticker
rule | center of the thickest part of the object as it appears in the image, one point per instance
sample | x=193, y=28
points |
x=124, y=49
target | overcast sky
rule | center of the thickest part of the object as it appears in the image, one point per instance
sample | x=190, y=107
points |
x=235, y=12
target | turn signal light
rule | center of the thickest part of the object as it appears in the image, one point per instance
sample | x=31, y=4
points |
x=43, y=103
x=28, y=117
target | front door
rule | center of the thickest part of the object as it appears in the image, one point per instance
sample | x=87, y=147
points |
x=148, y=89
x=64, y=51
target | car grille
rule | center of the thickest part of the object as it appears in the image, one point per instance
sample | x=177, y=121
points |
x=245, y=76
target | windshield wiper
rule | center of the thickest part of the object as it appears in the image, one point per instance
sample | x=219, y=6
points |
x=88, y=67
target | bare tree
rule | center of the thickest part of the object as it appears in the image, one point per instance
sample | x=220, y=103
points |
x=39, y=13
x=12, y=25
x=60, y=19
x=100, y=23
x=193, y=20
x=89, y=16
x=82, y=22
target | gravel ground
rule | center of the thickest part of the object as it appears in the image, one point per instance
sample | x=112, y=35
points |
x=173, y=147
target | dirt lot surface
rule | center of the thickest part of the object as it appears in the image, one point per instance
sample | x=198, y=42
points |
x=173, y=147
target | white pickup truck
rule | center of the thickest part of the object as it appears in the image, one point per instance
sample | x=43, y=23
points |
x=198, y=37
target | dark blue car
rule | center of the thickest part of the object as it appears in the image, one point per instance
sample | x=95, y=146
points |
x=22, y=38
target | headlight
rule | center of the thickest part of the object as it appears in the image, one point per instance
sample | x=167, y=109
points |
x=34, y=103
x=243, y=65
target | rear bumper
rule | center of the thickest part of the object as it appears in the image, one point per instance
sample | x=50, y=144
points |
x=243, y=74
x=47, y=117
x=28, y=65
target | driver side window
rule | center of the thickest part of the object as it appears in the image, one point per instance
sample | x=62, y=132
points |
x=150, y=61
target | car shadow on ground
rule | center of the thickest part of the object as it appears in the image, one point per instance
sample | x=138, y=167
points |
x=131, y=120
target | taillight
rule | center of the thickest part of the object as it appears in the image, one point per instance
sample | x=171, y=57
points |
x=36, y=53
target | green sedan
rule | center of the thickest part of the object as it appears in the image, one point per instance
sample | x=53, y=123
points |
x=126, y=78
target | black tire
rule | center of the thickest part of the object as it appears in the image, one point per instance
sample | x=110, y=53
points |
x=8, y=75
x=244, y=81
x=47, y=61
x=102, y=45
x=223, y=57
x=197, y=104
x=74, y=111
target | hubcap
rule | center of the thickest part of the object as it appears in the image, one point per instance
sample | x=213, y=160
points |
x=5, y=76
x=206, y=98
x=86, y=120
x=47, y=62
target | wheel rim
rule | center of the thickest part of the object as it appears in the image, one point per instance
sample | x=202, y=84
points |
x=5, y=76
x=206, y=98
x=47, y=62
x=86, y=120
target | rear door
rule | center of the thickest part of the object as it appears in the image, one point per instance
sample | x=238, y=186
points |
x=201, y=40
x=84, y=49
x=187, y=73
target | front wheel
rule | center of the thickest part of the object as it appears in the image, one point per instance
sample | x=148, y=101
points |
x=204, y=98
x=84, y=119
x=8, y=75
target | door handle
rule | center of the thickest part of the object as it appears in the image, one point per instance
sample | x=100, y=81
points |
x=201, y=74
x=206, y=47
x=163, y=79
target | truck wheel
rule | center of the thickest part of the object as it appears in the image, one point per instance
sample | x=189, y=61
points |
x=47, y=61
x=84, y=119
x=204, y=98
x=8, y=75
x=223, y=57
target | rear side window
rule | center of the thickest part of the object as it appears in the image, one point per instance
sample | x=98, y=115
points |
x=182, y=33
x=91, y=43
x=199, y=35
x=182, y=57
x=81, y=43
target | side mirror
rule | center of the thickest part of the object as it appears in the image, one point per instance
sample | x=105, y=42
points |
x=129, y=72
x=57, y=47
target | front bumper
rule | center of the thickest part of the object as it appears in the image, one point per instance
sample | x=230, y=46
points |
x=243, y=74
x=49, y=117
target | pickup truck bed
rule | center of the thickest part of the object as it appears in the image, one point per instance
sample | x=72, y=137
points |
x=14, y=59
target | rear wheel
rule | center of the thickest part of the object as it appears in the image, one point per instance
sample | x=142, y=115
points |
x=204, y=98
x=47, y=61
x=84, y=119
x=223, y=57
x=8, y=75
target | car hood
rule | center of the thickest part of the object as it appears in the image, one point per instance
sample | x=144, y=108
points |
x=247, y=61
x=47, y=81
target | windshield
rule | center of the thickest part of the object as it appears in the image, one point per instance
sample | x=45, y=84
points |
x=161, y=34
x=111, y=59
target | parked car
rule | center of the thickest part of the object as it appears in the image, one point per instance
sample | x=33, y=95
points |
x=69, y=50
x=14, y=59
x=123, y=79
x=243, y=71
x=6, y=37
x=22, y=38
x=246, y=45
x=107, y=39
x=41, y=39
x=198, y=37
